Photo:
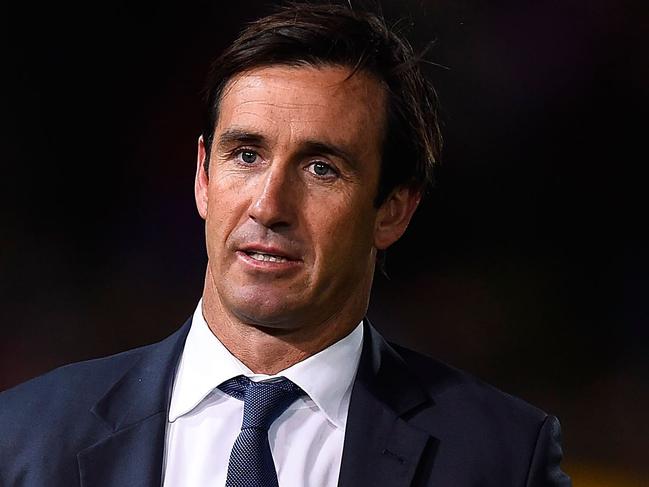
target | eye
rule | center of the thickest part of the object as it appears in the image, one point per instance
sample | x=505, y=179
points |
x=322, y=169
x=247, y=156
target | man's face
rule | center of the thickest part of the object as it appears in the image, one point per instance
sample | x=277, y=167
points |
x=291, y=228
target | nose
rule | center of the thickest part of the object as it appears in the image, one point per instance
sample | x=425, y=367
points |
x=274, y=203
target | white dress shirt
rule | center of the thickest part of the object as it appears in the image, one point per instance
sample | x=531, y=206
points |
x=306, y=440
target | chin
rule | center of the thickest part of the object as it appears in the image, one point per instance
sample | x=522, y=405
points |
x=271, y=321
x=271, y=312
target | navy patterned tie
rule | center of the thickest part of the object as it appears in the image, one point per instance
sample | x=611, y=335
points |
x=251, y=462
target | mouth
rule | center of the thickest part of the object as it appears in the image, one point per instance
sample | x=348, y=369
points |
x=264, y=257
x=261, y=256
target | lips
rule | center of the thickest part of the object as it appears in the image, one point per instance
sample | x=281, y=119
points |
x=262, y=253
x=266, y=257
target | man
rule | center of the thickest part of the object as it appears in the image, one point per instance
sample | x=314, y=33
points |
x=319, y=141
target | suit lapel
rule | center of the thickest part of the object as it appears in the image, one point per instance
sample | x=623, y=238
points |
x=381, y=447
x=134, y=412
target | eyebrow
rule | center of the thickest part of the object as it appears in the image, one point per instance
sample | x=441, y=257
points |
x=308, y=147
x=313, y=147
x=240, y=136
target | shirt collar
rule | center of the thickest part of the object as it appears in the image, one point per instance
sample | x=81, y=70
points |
x=326, y=377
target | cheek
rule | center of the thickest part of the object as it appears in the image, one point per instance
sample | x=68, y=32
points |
x=222, y=212
x=344, y=232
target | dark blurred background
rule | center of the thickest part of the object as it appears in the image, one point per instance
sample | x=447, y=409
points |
x=527, y=266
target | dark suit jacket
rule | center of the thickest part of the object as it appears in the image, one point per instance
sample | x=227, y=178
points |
x=412, y=421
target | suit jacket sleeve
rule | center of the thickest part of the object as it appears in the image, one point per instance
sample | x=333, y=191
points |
x=544, y=468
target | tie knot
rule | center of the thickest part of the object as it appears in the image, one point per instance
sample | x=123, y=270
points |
x=263, y=402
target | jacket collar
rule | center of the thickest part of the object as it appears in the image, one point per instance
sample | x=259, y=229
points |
x=134, y=411
x=381, y=447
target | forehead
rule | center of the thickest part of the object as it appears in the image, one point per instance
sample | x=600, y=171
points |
x=315, y=102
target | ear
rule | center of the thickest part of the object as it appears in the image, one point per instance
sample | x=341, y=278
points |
x=201, y=180
x=394, y=216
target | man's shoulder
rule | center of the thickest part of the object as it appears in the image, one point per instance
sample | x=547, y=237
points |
x=70, y=389
x=49, y=417
x=66, y=389
x=459, y=394
x=474, y=423
x=46, y=421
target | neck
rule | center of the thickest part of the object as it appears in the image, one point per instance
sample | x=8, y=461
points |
x=269, y=350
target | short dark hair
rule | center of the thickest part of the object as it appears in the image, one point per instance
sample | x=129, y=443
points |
x=300, y=34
